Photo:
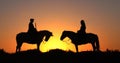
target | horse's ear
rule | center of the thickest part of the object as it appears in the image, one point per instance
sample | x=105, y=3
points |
x=51, y=34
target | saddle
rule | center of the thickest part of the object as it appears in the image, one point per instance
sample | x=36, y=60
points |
x=33, y=35
x=81, y=37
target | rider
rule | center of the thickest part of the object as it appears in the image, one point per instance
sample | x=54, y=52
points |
x=32, y=30
x=82, y=32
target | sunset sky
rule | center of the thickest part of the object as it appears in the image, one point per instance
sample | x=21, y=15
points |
x=102, y=17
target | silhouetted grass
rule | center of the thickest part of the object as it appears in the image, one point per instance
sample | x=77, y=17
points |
x=60, y=56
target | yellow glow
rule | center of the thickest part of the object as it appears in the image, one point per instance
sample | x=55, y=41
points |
x=53, y=43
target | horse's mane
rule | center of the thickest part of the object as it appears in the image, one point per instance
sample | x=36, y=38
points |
x=68, y=31
x=75, y=32
x=43, y=31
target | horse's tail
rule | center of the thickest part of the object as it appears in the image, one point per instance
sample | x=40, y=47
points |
x=16, y=38
x=97, y=43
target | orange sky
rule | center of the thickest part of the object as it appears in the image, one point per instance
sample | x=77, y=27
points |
x=101, y=17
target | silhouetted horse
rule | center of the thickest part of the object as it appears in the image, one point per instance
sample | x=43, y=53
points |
x=36, y=39
x=90, y=38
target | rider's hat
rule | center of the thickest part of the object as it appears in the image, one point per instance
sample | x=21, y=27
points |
x=31, y=20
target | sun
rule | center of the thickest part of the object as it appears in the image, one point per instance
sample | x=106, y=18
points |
x=53, y=43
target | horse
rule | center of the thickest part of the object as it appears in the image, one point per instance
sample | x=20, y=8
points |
x=89, y=38
x=35, y=39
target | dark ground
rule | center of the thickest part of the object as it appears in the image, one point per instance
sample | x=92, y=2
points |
x=59, y=56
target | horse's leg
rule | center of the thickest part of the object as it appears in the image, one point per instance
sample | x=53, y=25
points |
x=16, y=48
x=97, y=45
x=76, y=46
x=38, y=44
x=19, y=46
x=93, y=45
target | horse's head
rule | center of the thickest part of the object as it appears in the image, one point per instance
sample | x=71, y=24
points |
x=64, y=34
x=69, y=34
x=45, y=33
x=48, y=35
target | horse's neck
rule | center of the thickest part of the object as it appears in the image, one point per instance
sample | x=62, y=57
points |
x=70, y=35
